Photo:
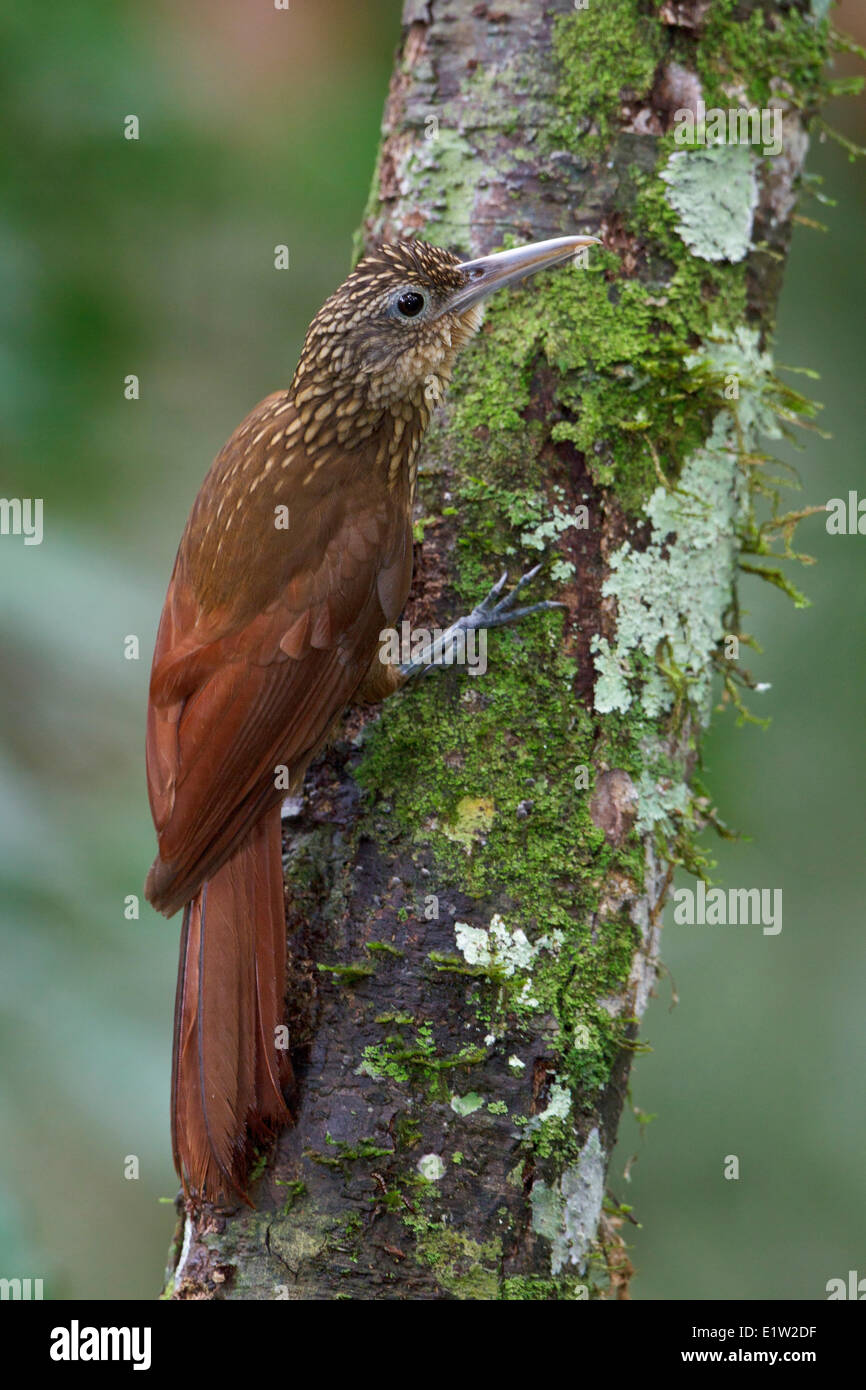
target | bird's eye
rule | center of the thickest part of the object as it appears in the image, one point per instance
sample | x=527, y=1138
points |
x=410, y=304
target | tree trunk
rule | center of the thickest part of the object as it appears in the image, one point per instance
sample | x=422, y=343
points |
x=475, y=880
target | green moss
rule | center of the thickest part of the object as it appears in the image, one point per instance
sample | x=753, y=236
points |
x=406, y=1130
x=295, y=1190
x=606, y=53
x=614, y=348
x=464, y=1267
x=259, y=1164
x=385, y=948
x=350, y=974
x=547, y=740
x=534, y=1289
x=417, y=1062
x=347, y=1154
x=454, y=965
x=533, y=859
x=759, y=55
x=354, y=1224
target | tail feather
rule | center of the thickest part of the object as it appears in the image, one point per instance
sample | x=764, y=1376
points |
x=228, y=1072
x=273, y=1067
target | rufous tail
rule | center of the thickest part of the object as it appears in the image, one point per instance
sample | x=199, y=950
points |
x=229, y=1068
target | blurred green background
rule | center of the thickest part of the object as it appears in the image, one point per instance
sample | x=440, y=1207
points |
x=155, y=257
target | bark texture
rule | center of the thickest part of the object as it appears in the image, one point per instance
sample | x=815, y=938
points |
x=475, y=878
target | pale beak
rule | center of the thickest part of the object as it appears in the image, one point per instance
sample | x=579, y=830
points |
x=490, y=273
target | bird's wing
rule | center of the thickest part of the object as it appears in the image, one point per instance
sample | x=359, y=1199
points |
x=251, y=671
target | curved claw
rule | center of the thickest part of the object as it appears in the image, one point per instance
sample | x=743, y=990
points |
x=525, y=578
x=539, y=607
x=513, y=615
x=500, y=585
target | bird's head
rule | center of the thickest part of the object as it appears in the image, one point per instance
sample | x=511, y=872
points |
x=389, y=335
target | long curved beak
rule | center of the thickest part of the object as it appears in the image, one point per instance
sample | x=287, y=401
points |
x=490, y=273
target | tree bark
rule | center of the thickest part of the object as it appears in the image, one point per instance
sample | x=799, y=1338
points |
x=475, y=880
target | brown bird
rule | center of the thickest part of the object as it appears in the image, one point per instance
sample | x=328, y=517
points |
x=296, y=555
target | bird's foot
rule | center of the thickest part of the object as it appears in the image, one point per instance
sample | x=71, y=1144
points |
x=489, y=613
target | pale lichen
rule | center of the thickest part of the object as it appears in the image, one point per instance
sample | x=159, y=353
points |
x=582, y=1192
x=672, y=596
x=714, y=191
x=499, y=948
x=466, y=1105
x=567, y=1214
x=431, y=1167
x=558, y=1108
x=660, y=798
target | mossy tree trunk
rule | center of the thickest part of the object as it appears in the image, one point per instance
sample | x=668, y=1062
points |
x=475, y=880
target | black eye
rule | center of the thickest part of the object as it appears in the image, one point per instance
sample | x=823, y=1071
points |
x=410, y=303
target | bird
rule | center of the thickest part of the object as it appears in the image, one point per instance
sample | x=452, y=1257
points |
x=297, y=556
